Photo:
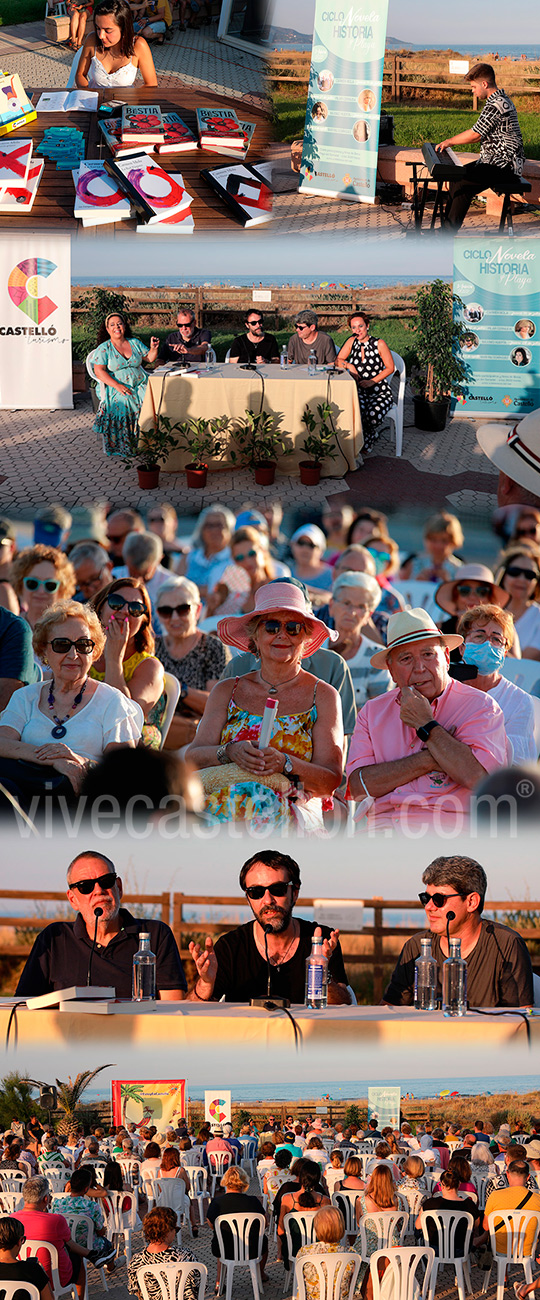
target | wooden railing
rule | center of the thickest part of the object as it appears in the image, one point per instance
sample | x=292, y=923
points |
x=173, y=908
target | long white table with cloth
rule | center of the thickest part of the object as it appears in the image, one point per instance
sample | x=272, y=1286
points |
x=230, y=390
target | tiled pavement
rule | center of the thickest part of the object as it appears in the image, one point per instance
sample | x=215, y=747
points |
x=55, y=456
x=194, y=57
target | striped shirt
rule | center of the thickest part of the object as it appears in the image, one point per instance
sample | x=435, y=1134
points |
x=499, y=129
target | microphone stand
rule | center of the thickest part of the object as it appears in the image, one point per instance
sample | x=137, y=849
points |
x=270, y=1003
x=98, y=911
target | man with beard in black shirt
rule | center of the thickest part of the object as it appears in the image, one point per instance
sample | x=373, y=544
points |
x=255, y=346
x=271, y=883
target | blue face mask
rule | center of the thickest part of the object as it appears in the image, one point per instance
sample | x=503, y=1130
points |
x=486, y=658
x=381, y=559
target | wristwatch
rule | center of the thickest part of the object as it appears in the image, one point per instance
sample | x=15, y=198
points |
x=423, y=732
x=287, y=766
x=222, y=755
x=184, y=688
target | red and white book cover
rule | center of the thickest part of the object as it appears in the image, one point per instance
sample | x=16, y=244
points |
x=15, y=159
x=155, y=193
x=219, y=126
x=98, y=198
x=178, y=137
x=142, y=124
x=181, y=223
x=111, y=130
x=248, y=131
x=20, y=198
x=245, y=192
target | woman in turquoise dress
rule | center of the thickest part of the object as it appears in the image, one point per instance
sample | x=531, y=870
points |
x=118, y=367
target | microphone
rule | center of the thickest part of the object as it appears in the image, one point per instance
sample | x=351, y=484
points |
x=98, y=911
x=450, y=916
x=268, y=930
x=269, y=1002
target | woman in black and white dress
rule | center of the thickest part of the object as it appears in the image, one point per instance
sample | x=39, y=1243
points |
x=370, y=362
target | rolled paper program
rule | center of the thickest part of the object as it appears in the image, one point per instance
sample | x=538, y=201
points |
x=268, y=719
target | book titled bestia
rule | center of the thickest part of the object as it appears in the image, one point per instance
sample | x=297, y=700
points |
x=142, y=124
x=219, y=125
x=153, y=192
x=178, y=137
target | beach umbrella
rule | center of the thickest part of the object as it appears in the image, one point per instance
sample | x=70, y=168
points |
x=454, y=1094
x=445, y=1093
x=323, y=284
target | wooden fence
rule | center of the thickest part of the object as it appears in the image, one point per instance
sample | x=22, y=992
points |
x=173, y=908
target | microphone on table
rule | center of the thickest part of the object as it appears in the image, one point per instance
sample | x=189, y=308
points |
x=450, y=916
x=98, y=911
x=270, y=1003
x=268, y=930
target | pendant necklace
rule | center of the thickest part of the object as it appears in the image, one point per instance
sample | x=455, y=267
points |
x=59, y=730
x=273, y=690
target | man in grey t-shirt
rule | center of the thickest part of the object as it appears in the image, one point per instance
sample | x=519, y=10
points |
x=308, y=338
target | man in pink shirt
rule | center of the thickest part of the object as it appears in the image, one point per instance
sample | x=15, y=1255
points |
x=418, y=751
x=40, y=1225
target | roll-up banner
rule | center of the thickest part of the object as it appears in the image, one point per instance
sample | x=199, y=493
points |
x=384, y=1106
x=217, y=1106
x=35, y=322
x=498, y=281
x=148, y=1101
x=341, y=133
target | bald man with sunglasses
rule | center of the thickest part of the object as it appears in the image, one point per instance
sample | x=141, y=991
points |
x=60, y=955
x=499, y=971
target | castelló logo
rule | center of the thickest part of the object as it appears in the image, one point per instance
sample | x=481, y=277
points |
x=347, y=180
x=507, y=401
x=23, y=288
x=462, y=399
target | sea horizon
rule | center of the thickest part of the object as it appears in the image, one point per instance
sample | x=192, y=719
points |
x=422, y=1089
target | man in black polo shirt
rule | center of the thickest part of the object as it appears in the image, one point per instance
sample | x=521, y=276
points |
x=271, y=882
x=499, y=971
x=187, y=343
x=60, y=956
x=255, y=346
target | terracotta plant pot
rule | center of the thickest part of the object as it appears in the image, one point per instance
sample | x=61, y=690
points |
x=265, y=473
x=310, y=472
x=196, y=475
x=148, y=477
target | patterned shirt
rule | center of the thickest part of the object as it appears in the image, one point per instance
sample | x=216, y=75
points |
x=79, y=1205
x=501, y=139
x=497, y=1184
x=153, y=1258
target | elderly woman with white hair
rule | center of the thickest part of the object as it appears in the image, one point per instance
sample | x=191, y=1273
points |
x=354, y=599
x=483, y=1156
x=142, y=554
x=196, y=658
x=210, y=548
x=308, y=545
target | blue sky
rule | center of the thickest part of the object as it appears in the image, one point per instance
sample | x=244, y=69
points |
x=422, y=22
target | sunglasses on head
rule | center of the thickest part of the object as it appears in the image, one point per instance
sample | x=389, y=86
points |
x=167, y=611
x=135, y=607
x=480, y=589
x=440, y=900
x=273, y=626
x=277, y=890
x=49, y=584
x=514, y=571
x=87, y=886
x=62, y=645
x=247, y=555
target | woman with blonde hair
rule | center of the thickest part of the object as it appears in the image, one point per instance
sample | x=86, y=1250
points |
x=329, y=1227
x=443, y=535
x=41, y=576
x=252, y=565
x=380, y=1194
x=235, y=1201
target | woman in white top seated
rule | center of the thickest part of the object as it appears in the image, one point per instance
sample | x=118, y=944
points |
x=355, y=596
x=519, y=575
x=51, y=732
x=488, y=632
x=113, y=55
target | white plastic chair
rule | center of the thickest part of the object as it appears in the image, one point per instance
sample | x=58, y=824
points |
x=400, y=1278
x=12, y=1180
x=446, y=1222
x=420, y=595
x=171, y=1280
x=172, y=692
x=385, y=1223
x=198, y=1188
x=30, y=1248
x=130, y=1170
x=332, y=1177
x=305, y=1235
x=395, y=414
x=121, y=1223
x=57, y=1179
x=195, y=1156
x=346, y=1152
x=10, y=1289
x=250, y=1146
x=172, y=1192
x=77, y=1220
x=89, y=363
x=329, y=1278
x=410, y=1199
x=218, y=1162
x=516, y=1224
x=345, y=1199
x=150, y=1190
x=522, y=672
x=71, y=81
x=240, y=1226
x=10, y=1202
x=261, y=1175
x=480, y=1182
x=57, y=11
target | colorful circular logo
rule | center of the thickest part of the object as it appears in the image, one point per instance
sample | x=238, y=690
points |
x=507, y=401
x=23, y=288
x=217, y=1111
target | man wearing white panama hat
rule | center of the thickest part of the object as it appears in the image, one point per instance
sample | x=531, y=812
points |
x=516, y=453
x=419, y=750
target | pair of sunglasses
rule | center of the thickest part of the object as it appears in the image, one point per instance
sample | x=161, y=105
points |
x=482, y=590
x=304, y=541
x=514, y=571
x=167, y=611
x=87, y=886
x=62, y=645
x=440, y=900
x=48, y=584
x=273, y=626
x=135, y=607
x=277, y=890
x=247, y=555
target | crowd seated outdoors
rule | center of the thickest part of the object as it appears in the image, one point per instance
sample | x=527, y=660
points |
x=394, y=697
x=137, y=1198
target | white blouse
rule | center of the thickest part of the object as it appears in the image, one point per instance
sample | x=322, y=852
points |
x=108, y=718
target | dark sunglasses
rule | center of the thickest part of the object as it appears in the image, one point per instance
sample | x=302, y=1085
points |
x=440, y=900
x=526, y=532
x=87, y=886
x=135, y=607
x=277, y=890
x=167, y=611
x=247, y=555
x=514, y=571
x=48, y=584
x=273, y=626
x=300, y=327
x=480, y=589
x=62, y=645
x=304, y=541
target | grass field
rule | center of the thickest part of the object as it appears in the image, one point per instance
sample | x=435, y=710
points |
x=21, y=11
x=412, y=126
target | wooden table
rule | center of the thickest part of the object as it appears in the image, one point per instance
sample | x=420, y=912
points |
x=53, y=205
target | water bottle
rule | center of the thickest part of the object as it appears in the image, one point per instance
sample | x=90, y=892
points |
x=312, y=362
x=425, y=979
x=284, y=357
x=454, y=999
x=144, y=972
x=210, y=357
x=316, y=976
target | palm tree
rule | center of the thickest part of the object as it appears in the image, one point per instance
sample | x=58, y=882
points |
x=130, y=1092
x=70, y=1093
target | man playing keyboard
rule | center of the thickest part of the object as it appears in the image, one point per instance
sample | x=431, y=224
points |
x=501, y=149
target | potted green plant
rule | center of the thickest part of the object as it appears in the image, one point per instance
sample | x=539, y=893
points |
x=317, y=444
x=261, y=442
x=148, y=451
x=441, y=372
x=203, y=439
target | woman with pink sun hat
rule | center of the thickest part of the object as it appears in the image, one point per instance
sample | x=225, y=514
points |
x=302, y=763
